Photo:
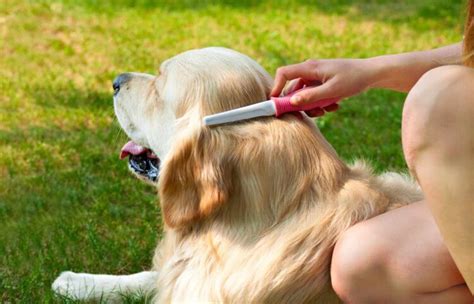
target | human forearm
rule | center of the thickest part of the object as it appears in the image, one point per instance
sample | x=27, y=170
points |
x=400, y=72
x=335, y=79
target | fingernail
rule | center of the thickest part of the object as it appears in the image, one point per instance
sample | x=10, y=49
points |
x=296, y=99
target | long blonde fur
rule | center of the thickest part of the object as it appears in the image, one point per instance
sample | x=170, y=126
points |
x=252, y=210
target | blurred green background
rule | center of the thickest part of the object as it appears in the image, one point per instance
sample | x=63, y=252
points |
x=66, y=201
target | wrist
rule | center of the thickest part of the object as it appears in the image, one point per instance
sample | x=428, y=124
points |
x=378, y=71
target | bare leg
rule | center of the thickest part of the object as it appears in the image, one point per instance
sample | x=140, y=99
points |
x=397, y=257
x=85, y=286
x=438, y=141
x=400, y=256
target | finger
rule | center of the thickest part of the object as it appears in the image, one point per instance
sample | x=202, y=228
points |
x=316, y=112
x=332, y=108
x=279, y=83
x=324, y=93
x=294, y=85
x=290, y=72
x=298, y=84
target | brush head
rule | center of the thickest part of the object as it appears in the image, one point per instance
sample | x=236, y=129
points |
x=276, y=106
x=264, y=108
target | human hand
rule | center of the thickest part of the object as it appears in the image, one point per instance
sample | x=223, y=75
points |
x=332, y=79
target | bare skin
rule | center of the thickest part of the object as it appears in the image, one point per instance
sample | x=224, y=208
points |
x=348, y=77
x=397, y=257
x=422, y=252
x=438, y=143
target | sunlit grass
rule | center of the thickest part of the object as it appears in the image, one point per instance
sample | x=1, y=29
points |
x=66, y=201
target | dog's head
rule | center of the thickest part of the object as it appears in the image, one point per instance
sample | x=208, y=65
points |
x=152, y=109
x=202, y=167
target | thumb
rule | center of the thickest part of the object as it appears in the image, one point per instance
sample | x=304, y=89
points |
x=324, y=93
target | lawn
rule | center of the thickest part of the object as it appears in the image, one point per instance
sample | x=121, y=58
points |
x=66, y=201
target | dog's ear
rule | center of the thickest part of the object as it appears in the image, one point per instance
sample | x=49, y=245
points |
x=195, y=180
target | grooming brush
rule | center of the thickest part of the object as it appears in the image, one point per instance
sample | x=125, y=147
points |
x=276, y=106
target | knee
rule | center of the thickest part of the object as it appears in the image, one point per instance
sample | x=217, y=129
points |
x=440, y=82
x=439, y=105
x=358, y=261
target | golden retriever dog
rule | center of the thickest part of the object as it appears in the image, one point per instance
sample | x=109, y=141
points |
x=252, y=209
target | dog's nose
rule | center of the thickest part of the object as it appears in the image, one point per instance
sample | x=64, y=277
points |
x=119, y=81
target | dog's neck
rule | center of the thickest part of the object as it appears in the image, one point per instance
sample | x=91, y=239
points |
x=283, y=169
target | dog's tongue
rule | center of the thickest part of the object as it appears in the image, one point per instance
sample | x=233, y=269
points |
x=131, y=148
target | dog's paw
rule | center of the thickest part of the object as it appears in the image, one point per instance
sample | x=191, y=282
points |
x=78, y=286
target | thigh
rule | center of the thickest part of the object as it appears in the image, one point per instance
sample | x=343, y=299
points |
x=416, y=257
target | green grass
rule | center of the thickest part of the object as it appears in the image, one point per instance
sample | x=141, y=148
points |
x=66, y=201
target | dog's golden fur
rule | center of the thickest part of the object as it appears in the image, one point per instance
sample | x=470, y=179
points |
x=252, y=210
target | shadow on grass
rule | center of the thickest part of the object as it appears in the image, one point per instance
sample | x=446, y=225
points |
x=380, y=10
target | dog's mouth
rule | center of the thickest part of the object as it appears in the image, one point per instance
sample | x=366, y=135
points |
x=141, y=160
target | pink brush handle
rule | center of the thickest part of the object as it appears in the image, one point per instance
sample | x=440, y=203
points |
x=283, y=105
